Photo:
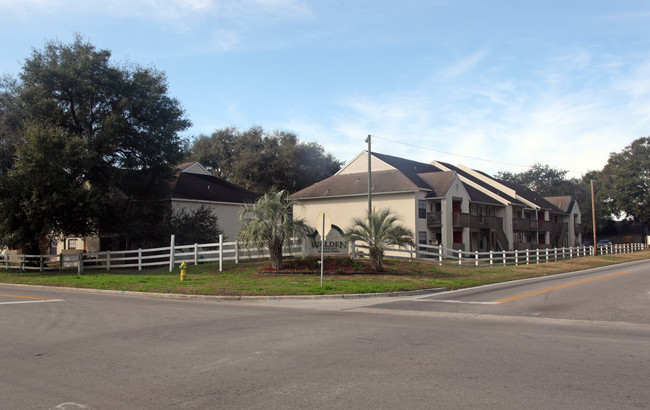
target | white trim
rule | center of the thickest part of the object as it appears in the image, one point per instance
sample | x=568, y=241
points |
x=364, y=194
x=192, y=169
x=201, y=201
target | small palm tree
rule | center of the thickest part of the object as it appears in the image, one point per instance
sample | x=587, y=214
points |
x=270, y=222
x=379, y=230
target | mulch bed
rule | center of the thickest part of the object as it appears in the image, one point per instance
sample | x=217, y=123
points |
x=333, y=265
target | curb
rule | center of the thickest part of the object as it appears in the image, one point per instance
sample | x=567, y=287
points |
x=226, y=297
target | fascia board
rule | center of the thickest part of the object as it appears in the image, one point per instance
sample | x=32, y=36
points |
x=375, y=162
x=349, y=163
x=508, y=191
x=473, y=184
x=359, y=195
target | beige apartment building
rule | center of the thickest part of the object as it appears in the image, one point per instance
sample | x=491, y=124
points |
x=453, y=206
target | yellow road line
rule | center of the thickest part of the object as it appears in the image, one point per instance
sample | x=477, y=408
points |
x=25, y=297
x=566, y=285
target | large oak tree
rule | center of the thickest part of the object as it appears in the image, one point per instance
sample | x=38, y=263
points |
x=624, y=182
x=86, y=145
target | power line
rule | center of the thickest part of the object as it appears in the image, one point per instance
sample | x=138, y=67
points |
x=460, y=155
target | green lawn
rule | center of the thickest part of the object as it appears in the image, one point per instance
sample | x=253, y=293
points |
x=246, y=279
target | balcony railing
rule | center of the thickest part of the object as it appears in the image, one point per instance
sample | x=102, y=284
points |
x=519, y=224
x=434, y=219
x=459, y=220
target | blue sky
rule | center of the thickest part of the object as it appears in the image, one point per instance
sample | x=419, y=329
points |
x=494, y=85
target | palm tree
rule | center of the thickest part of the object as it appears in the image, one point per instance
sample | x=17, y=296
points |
x=270, y=222
x=379, y=231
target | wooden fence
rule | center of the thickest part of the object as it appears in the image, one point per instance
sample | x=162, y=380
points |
x=442, y=255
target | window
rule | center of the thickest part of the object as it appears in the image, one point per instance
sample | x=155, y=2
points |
x=422, y=239
x=72, y=244
x=422, y=209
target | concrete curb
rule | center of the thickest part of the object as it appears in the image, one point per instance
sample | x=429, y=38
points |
x=226, y=297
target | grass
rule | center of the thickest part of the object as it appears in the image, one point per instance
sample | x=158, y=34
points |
x=247, y=279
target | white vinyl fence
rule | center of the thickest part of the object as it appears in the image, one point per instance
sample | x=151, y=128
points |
x=171, y=256
x=441, y=255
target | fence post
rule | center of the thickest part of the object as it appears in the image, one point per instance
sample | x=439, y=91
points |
x=504, y=258
x=108, y=260
x=440, y=255
x=139, y=258
x=546, y=255
x=555, y=254
x=476, y=257
x=516, y=257
x=80, y=264
x=491, y=258
x=537, y=255
x=196, y=254
x=221, y=253
x=172, y=249
x=527, y=256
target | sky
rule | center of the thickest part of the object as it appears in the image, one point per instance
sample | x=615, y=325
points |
x=494, y=85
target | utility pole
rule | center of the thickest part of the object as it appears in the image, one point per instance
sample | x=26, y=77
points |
x=593, y=217
x=369, y=179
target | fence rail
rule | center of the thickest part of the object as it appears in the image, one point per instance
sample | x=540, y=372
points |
x=442, y=255
x=234, y=252
x=143, y=258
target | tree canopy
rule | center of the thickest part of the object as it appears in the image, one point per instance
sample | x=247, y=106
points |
x=544, y=180
x=261, y=161
x=84, y=143
x=549, y=181
x=624, y=183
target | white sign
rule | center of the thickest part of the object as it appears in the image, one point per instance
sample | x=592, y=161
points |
x=323, y=224
x=334, y=243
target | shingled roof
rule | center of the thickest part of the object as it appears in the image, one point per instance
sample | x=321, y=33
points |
x=202, y=187
x=357, y=183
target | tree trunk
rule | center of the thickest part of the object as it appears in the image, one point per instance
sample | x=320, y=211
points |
x=376, y=260
x=276, y=256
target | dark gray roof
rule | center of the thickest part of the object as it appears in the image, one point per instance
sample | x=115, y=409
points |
x=202, y=187
x=357, y=183
x=489, y=187
x=531, y=196
x=563, y=203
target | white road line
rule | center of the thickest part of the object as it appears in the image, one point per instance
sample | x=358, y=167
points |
x=457, y=301
x=31, y=301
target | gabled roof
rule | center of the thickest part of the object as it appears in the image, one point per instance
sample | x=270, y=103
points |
x=197, y=184
x=473, y=180
x=357, y=184
x=563, y=203
x=531, y=196
x=395, y=175
x=438, y=182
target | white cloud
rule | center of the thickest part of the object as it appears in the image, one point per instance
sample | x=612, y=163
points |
x=563, y=115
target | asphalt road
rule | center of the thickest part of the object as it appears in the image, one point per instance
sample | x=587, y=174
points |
x=576, y=341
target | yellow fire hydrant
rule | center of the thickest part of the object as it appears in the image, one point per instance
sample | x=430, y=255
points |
x=183, y=271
